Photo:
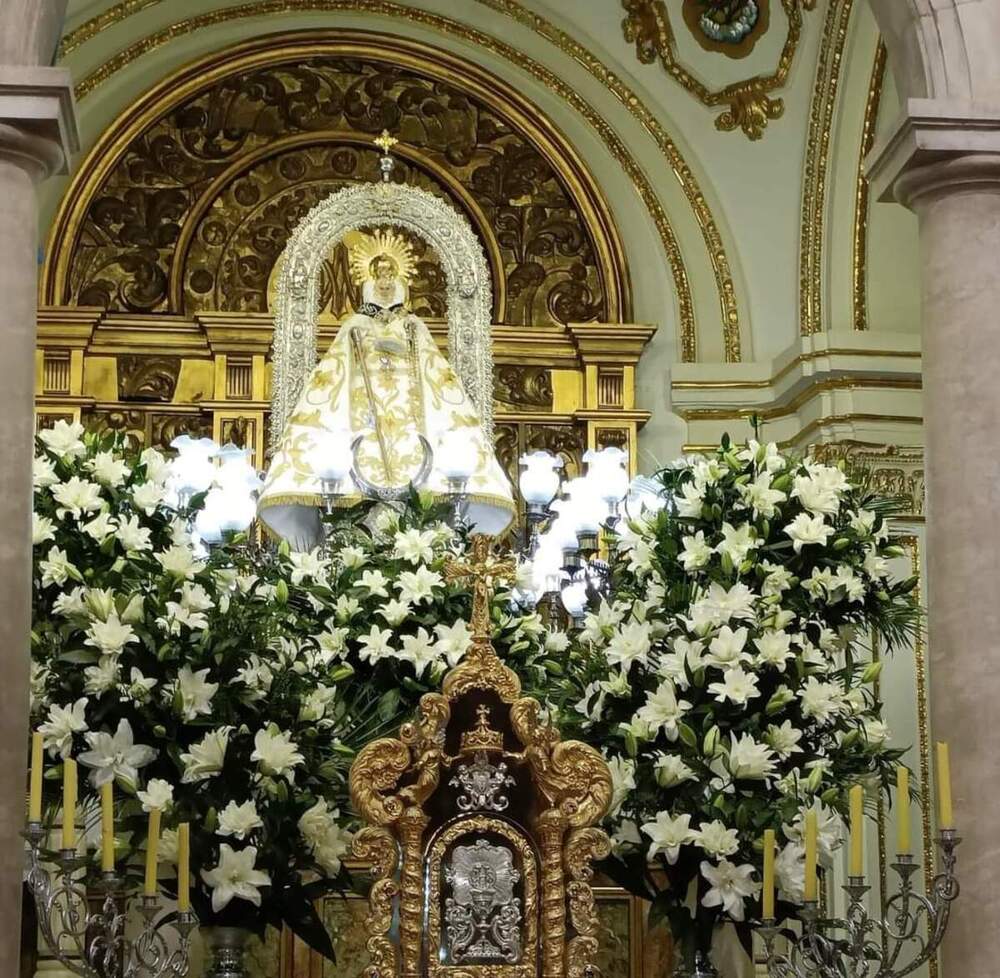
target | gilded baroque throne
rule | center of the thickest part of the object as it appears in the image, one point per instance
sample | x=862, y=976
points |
x=480, y=827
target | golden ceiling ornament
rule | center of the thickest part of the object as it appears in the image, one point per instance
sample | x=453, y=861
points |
x=749, y=103
x=365, y=248
x=714, y=244
x=549, y=841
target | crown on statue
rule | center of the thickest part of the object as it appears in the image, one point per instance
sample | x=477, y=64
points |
x=482, y=736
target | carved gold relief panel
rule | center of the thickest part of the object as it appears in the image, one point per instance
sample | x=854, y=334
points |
x=195, y=209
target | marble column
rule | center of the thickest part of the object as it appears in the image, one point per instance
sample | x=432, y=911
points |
x=945, y=166
x=36, y=134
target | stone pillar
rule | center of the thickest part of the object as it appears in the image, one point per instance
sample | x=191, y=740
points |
x=943, y=162
x=36, y=135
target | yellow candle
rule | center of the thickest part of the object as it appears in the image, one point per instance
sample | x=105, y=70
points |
x=69, y=804
x=35, y=792
x=811, y=888
x=767, y=898
x=183, y=867
x=857, y=831
x=107, y=827
x=903, y=811
x=946, y=819
x=152, y=852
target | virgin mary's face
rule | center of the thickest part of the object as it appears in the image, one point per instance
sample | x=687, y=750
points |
x=384, y=272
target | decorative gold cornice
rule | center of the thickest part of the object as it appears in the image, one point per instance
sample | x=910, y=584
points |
x=627, y=96
x=814, y=184
x=749, y=105
x=862, y=192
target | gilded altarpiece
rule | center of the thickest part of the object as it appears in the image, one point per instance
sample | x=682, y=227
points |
x=159, y=282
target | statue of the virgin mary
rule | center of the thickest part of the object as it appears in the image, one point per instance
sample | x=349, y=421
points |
x=386, y=388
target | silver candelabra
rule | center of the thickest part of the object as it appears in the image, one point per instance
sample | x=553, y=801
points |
x=862, y=946
x=93, y=943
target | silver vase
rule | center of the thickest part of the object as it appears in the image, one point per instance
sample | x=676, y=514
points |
x=228, y=946
x=702, y=967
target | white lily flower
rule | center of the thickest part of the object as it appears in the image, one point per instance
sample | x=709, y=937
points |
x=110, y=636
x=235, y=877
x=418, y=586
x=663, y=711
x=453, y=641
x=729, y=886
x=42, y=529
x=115, y=756
x=62, y=723
x=415, y=546
x=77, y=496
x=726, y=650
x=147, y=496
x=196, y=693
x=56, y=568
x=667, y=834
x=64, y=439
x=630, y=643
x=806, y=530
x=180, y=561
x=43, y=473
x=716, y=839
x=239, y=821
x=108, y=469
x=696, y=553
x=419, y=649
x=276, y=753
x=158, y=794
x=205, y=759
x=375, y=645
x=622, y=780
x=737, y=542
x=737, y=686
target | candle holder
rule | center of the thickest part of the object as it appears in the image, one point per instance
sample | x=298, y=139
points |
x=861, y=946
x=93, y=943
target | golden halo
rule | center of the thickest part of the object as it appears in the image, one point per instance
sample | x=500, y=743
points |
x=365, y=248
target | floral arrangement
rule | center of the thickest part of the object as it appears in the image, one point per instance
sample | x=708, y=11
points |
x=729, y=681
x=231, y=688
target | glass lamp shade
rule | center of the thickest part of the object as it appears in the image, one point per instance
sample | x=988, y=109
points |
x=454, y=457
x=607, y=469
x=587, y=505
x=332, y=454
x=547, y=572
x=192, y=471
x=644, y=496
x=191, y=474
x=206, y=526
x=539, y=482
x=235, y=471
x=574, y=598
x=238, y=513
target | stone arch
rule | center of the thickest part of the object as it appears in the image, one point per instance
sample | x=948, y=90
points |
x=466, y=271
x=945, y=49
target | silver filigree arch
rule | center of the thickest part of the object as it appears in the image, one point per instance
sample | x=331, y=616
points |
x=449, y=233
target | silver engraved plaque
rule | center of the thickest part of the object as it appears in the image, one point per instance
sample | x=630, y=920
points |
x=482, y=915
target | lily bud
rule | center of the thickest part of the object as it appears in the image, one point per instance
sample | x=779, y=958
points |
x=281, y=592
x=815, y=779
x=871, y=672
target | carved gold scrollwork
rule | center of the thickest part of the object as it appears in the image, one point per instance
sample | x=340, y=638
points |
x=377, y=847
x=583, y=847
x=572, y=775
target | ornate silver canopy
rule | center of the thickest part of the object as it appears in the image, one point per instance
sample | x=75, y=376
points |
x=469, y=288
